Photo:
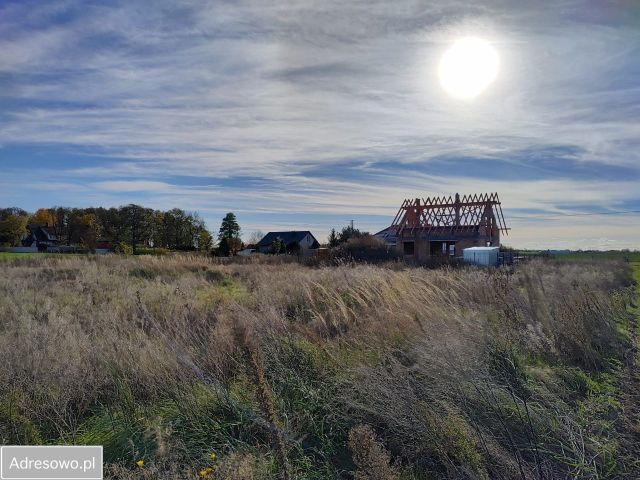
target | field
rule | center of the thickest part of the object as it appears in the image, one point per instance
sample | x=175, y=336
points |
x=604, y=255
x=191, y=367
x=17, y=256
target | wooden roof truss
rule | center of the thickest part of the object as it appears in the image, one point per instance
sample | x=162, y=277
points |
x=450, y=214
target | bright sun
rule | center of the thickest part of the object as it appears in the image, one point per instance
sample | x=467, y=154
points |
x=468, y=67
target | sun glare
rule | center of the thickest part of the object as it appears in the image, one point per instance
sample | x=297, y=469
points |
x=468, y=67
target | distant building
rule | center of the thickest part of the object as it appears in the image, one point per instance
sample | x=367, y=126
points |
x=104, y=246
x=305, y=241
x=40, y=238
x=389, y=236
x=445, y=226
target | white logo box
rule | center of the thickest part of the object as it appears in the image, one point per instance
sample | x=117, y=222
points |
x=50, y=462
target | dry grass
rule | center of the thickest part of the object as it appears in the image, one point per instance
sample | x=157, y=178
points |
x=369, y=455
x=460, y=373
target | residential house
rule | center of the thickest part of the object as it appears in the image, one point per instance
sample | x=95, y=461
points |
x=40, y=238
x=302, y=242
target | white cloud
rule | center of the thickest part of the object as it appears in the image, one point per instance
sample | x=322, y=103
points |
x=272, y=89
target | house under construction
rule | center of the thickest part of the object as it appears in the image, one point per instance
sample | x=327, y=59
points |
x=444, y=226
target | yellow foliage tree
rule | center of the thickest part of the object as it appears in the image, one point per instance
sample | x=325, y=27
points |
x=12, y=228
x=42, y=217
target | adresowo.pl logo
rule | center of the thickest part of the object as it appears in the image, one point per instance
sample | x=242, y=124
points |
x=56, y=462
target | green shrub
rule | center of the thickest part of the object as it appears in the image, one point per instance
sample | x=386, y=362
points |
x=15, y=427
x=123, y=248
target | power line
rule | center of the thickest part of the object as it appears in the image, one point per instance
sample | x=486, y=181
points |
x=565, y=215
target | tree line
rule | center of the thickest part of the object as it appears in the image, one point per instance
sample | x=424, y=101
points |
x=130, y=225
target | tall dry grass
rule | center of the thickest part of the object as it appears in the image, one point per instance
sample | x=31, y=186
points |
x=457, y=373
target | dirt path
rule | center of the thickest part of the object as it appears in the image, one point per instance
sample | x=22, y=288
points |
x=629, y=423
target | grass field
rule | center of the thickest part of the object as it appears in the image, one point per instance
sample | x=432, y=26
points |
x=14, y=256
x=605, y=255
x=188, y=367
x=636, y=276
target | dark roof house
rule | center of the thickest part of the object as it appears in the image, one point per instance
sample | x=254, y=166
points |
x=304, y=239
x=40, y=236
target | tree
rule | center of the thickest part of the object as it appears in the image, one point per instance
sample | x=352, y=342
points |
x=136, y=224
x=16, y=211
x=181, y=230
x=123, y=248
x=205, y=241
x=229, y=246
x=229, y=227
x=132, y=224
x=255, y=237
x=43, y=217
x=61, y=216
x=156, y=229
x=365, y=248
x=348, y=233
x=86, y=230
x=333, y=239
x=224, y=249
x=111, y=228
x=236, y=245
x=12, y=228
x=229, y=235
x=277, y=247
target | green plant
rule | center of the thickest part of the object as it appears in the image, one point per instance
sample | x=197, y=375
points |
x=123, y=248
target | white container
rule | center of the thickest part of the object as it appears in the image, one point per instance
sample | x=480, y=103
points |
x=484, y=256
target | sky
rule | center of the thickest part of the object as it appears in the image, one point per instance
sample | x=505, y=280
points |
x=309, y=114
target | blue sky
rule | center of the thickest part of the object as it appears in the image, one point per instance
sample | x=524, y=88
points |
x=310, y=114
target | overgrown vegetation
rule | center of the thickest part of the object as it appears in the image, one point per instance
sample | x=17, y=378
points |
x=186, y=367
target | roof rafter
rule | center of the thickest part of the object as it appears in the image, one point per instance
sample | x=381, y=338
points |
x=452, y=213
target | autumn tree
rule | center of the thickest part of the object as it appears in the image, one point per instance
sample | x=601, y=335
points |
x=86, y=230
x=229, y=246
x=205, y=240
x=13, y=225
x=43, y=217
x=131, y=224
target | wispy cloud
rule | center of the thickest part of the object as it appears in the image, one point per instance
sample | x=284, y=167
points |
x=326, y=110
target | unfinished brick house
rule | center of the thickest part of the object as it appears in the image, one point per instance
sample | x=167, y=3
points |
x=444, y=226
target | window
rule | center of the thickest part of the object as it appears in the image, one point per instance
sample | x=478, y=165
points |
x=442, y=248
x=409, y=248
